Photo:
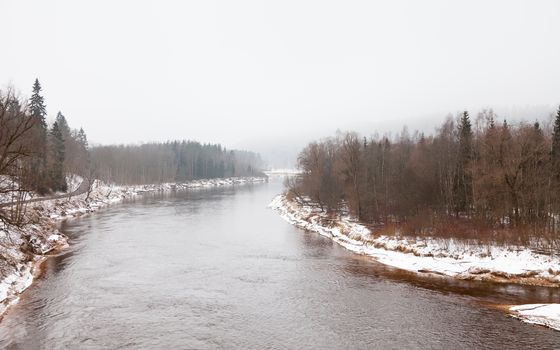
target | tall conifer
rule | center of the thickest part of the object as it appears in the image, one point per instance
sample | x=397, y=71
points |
x=38, y=112
x=57, y=176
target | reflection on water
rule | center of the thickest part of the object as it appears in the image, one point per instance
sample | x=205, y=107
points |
x=216, y=269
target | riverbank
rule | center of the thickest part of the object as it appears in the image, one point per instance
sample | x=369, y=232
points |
x=23, y=249
x=433, y=256
x=547, y=315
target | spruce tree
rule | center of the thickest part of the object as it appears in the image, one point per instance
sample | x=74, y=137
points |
x=38, y=112
x=82, y=139
x=465, y=136
x=37, y=105
x=463, y=178
x=57, y=175
x=555, y=161
x=555, y=151
x=63, y=125
x=69, y=143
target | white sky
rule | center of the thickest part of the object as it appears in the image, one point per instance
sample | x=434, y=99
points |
x=263, y=73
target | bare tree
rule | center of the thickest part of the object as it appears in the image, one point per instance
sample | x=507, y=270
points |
x=15, y=129
x=478, y=183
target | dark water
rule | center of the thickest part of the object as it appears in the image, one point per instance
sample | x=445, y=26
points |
x=216, y=269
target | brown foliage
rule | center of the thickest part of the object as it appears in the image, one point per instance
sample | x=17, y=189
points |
x=495, y=183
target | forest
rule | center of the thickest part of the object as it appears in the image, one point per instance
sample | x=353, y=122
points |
x=38, y=155
x=172, y=161
x=483, y=180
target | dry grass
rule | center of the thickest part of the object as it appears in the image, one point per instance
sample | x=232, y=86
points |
x=471, y=232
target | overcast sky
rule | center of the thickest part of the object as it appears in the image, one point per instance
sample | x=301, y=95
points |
x=256, y=73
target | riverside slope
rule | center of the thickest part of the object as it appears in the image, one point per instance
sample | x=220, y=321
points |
x=23, y=249
x=437, y=256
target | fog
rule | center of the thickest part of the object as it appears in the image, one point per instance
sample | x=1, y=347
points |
x=271, y=76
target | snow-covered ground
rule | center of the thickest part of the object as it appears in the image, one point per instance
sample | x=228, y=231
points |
x=426, y=255
x=273, y=172
x=8, y=188
x=542, y=314
x=23, y=249
x=73, y=181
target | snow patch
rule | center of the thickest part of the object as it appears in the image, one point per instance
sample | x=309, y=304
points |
x=542, y=314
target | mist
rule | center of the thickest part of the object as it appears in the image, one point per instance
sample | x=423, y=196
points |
x=310, y=174
x=271, y=76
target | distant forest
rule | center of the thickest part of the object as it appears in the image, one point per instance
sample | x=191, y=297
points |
x=173, y=161
x=491, y=180
x=37, y=156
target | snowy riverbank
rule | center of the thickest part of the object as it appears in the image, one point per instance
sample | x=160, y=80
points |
x=23, y=249
x=437, y=256
x=542, y=314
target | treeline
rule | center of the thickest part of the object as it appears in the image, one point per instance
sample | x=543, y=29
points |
x=172, y=161
x=475, y=181
x=35, y=156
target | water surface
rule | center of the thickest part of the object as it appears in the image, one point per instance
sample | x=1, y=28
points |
x=216, y=269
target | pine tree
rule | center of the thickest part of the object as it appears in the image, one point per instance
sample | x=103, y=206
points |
x=63, y=125
x=82, y=139
x=57, y=175
x=463, y=178
x=38, y=112
x=465, y=137
x=70, y=149
x=37, y=105
x=555, y=151
x=555, y=162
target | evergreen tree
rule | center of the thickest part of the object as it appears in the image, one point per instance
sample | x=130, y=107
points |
x=463, y=178
x=57, y=175
x=84, y=150
x=465, y=137
x=38, y=164
x=555, y=151
x=37, y=105
x=63, y=125
x=71, y=151
x=82, y=139
x=555, y=162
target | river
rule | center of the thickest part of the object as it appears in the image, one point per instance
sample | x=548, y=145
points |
x=216, y=269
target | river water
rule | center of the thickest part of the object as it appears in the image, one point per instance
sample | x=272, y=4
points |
x=216, y=269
